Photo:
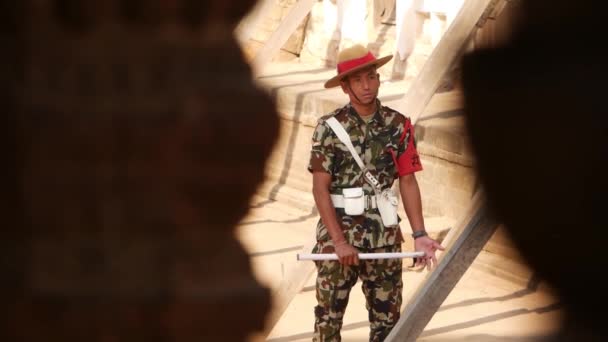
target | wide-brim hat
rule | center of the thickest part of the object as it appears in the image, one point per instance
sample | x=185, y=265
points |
x=353, y=59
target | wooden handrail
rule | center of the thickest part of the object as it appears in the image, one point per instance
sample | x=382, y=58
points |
x=444, y=56
x=468, y=239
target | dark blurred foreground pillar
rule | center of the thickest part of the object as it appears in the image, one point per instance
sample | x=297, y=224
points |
x=537, y=113
x=132, y=139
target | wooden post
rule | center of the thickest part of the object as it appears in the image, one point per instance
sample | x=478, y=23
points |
x=290, y=23
x=443, y=57
x=474, y=230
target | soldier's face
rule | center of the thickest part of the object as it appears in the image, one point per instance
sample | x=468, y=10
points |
x=362, y=86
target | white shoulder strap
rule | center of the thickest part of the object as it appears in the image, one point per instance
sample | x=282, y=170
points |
x=345, y=139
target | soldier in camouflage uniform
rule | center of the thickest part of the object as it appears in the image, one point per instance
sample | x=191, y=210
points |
x=384, y=140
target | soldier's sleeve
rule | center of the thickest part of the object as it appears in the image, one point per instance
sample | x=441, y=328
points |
x=407, y=159
x=322, y=150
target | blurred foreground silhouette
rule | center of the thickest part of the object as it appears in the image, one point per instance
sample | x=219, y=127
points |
x=536, y=112
x=128, y=163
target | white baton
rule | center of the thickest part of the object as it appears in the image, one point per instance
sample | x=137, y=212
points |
x=332, y=256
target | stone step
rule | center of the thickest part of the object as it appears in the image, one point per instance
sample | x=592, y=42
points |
x=261, y=206
x=272, y=233
x=289, y=196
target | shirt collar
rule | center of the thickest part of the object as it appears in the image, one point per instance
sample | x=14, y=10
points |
x=378, y=114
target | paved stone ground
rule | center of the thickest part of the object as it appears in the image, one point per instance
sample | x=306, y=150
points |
x=483, y=306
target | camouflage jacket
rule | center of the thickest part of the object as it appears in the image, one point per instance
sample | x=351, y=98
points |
x=385, y=139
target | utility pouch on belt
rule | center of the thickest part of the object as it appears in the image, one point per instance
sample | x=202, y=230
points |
x=387, y=206
x=354, y=201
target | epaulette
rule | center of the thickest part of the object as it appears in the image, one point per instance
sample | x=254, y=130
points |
x=387, y=109
x=327, y=116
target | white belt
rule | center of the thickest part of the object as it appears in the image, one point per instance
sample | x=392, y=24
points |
x=338, y=201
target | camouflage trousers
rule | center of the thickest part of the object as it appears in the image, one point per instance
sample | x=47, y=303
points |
x=381, y=283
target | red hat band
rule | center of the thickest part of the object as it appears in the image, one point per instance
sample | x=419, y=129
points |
x=353, y=63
